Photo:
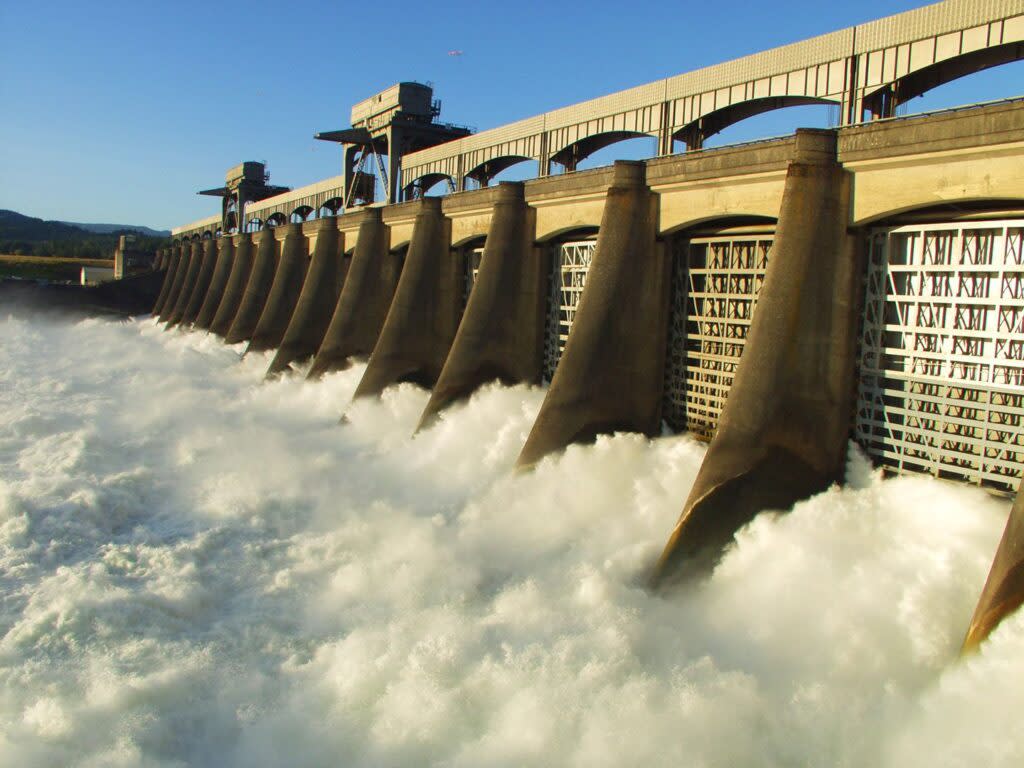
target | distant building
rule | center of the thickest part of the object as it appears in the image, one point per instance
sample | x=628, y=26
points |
x=127, y=258
x=97, y=275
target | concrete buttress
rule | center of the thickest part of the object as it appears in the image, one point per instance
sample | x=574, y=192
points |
x=206, y=266
x=256, y=289
x=172, y=268
x=501, y=336
x=241, y=268
x=318, y=298
x=364, y=300
x=284, y=291
x=783, y=432
x=195, y=263
x=1003, y=592
x=219, y=279
x=425, y=312
x=611, y=373
x=179, y=280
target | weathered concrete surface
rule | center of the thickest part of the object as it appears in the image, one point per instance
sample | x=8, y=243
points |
x=1004, y=589
x=206, y=266
x=364, y=300
x=218, y=281
x=783, y=432
x=611, y=373
x=179, y=280
x=195, y=264
x=284, y=291
x=317, y=301
x=425, y=312
x=241, y=268
x=171, y=268
x=501, y=336
x=261, y=278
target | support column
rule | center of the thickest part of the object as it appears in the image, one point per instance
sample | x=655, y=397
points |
x=611, y=374
x=1004, y=589
x=185, y=251
x=364, y=300
x=284, y=292
x=241, y=267
x=195, y=263
x=218, y=281
x=424, y=315
x=318, y=299
x=195, y=301
x=172, y=267
x=501, y=336
x=257, y=289
x=783, y=431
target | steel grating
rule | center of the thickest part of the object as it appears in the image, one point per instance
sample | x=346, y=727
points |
x=569, y=276
x=715, y=284
x=941, y=387
x=472, y=268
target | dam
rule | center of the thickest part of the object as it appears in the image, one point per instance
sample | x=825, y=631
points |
x=775, y=298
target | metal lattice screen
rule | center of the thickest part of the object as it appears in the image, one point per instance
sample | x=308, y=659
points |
x=941, y=386
x=472, y=268
x=569, y=275
x=715, y=283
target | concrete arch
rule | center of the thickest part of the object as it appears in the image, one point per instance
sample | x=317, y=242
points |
x=708, y=225
x=470, y=238
x=572, y=154
x=883, y=101
x=255, y=224
x=487, y=170
x=207, y=235
x=947, y=211
x=695, y=133
x=302, y=213
x=419, y=186
x=574, y=231
x=276, y=220
x=332, y=206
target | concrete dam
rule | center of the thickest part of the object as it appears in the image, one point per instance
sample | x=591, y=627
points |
x=777, y=298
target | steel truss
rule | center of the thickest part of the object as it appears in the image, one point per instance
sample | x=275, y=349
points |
x=471, y=266
x=571, y=263
x=715, y=284
x=941, y=386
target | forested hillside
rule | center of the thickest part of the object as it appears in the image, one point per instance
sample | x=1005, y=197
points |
x=28, y=236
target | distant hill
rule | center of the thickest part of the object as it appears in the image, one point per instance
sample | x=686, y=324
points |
x=106, y=229
x=27, y=235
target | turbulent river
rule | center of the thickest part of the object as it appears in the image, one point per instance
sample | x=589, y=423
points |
x=199, y=568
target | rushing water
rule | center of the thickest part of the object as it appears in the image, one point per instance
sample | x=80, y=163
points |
x=200, y=568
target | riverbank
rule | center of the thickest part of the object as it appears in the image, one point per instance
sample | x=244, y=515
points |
x=51, y=268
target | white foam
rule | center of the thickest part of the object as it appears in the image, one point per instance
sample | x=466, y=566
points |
x=203, y=568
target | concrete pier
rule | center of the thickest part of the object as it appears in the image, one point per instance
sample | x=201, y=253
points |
x=364, y=300
x=218, y=281
x=318, y=299
x=173, y=260
x=1004, y=589
x=257, y=289
x=425, y=312
x=195, y=263
x=241, y=268
x=611, y=374
x=206, y=267
x=284, y=291
x=784, y=428
x=179, y=280
x=501, y=335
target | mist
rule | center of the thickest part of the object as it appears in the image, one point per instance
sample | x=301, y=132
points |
x=202, y=568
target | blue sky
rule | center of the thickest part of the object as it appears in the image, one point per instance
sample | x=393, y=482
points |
x=121, y=111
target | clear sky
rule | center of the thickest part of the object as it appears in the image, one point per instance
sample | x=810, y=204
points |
x=120, y=111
